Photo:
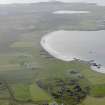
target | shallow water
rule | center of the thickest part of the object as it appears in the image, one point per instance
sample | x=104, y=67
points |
x=84, y=45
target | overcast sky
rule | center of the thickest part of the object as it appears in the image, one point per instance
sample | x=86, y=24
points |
x=29, y=1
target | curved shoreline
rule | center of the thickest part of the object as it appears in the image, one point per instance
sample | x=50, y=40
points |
x=101, y=70
x=54, y=53
x=51, y=51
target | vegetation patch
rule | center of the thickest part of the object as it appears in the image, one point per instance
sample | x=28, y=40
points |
x=22, y=44
x=66, y=91
x=37, y=94
x=93, y=101
x=2, y=102
x=21, y=92
x=98, y=90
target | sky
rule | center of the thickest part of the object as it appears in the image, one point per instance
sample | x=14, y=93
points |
x=100, y=2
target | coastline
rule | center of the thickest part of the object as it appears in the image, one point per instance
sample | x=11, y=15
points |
x=54, y=53
x=99, y=70
x=51, y=51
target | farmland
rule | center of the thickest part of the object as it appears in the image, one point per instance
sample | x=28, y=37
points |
x=23, y=62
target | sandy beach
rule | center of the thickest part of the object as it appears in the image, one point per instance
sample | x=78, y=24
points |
x=54, y=53
x=44, y=43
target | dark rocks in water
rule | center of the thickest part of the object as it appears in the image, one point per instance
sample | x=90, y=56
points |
x=94, y=64
x=99, y=66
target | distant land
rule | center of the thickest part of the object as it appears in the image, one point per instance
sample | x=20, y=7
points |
x=98, y=2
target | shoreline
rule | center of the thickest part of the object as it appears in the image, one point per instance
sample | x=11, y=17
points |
x=57, y=55
x=52, y=52
x=99, y=70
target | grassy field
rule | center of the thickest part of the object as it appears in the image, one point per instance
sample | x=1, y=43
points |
x=48, y=68
x=94, y=101
x=98, y=90
x=37, y=94
x=2, y=102
x=23, y=44
x=21, y=92
x=30, y=93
